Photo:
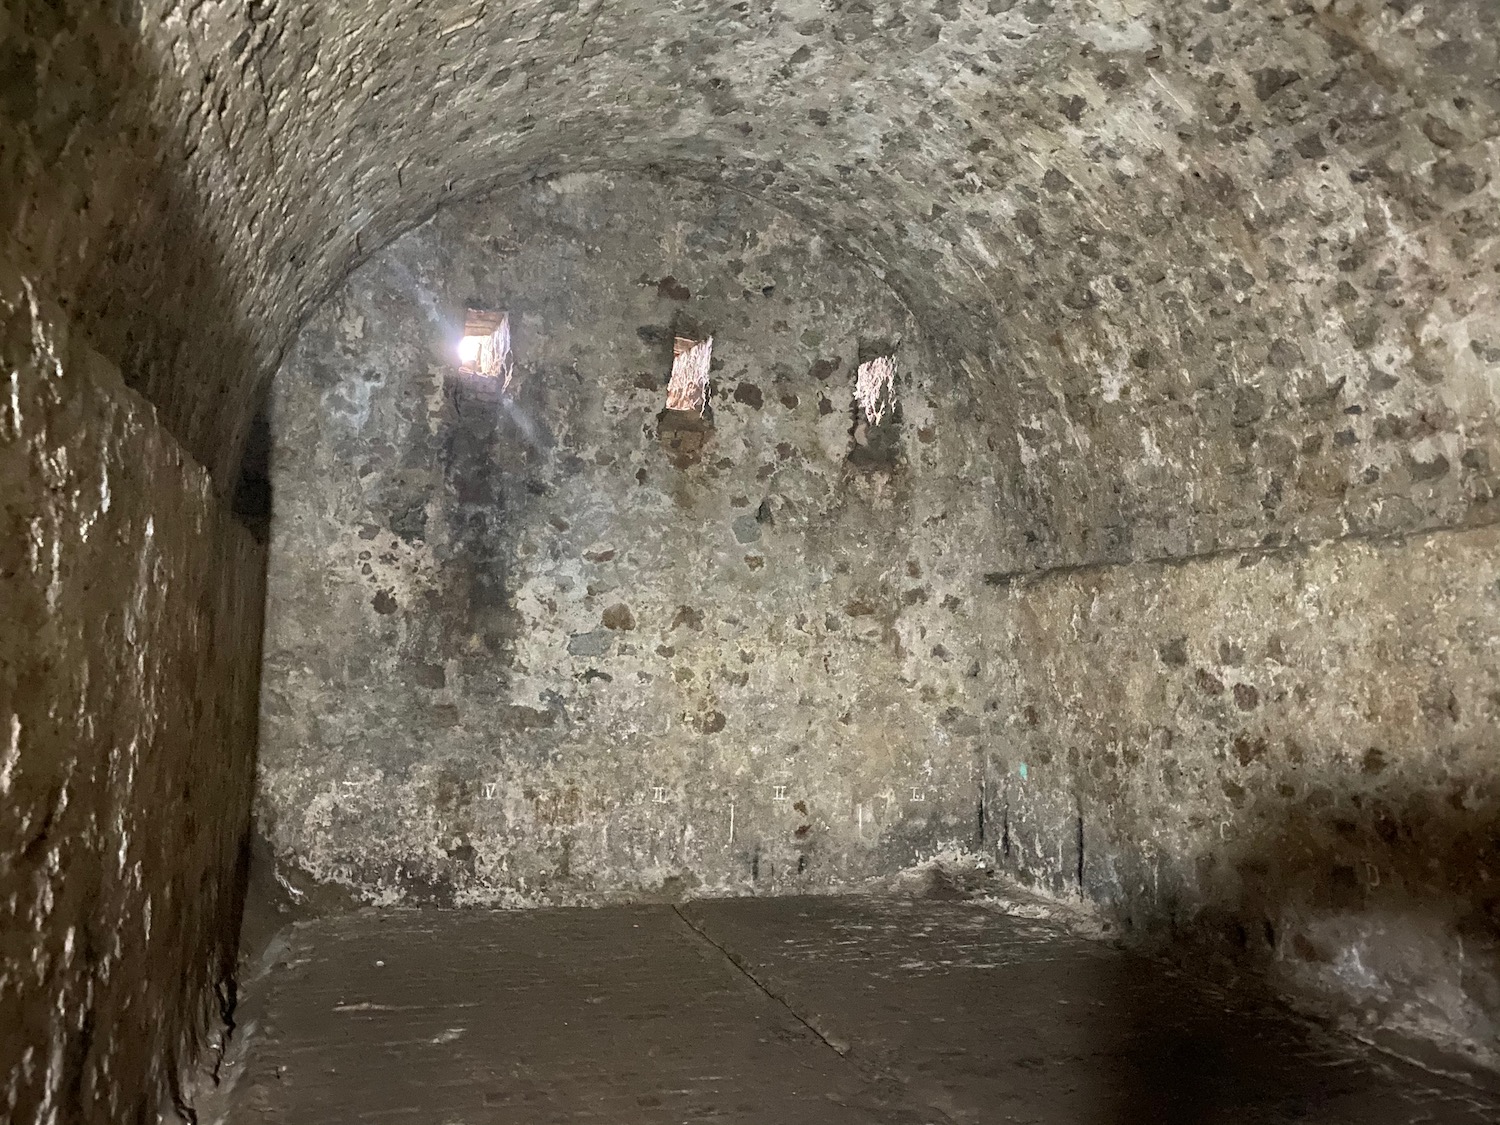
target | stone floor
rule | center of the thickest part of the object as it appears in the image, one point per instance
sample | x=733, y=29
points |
x=808, y=1011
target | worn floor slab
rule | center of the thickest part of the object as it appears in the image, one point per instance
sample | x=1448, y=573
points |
x=777, y=1012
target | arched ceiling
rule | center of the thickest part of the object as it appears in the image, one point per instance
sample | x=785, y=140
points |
x=1104, y=205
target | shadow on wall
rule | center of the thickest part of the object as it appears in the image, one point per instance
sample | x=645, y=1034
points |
x=109, y=222
x=252, y=489
x=1383, y=912
x=1291, y=761
x=1380, y=910
x=1391, y=900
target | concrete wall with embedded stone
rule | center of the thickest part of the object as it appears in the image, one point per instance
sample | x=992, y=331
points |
x=129, y=642
x=530, y=648
x=1293, y=753
x=1213, y=275
x=1276, y=320
x=1114, y=193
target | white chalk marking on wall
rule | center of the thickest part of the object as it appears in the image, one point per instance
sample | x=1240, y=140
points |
x=490, y=789
x=918, y=794
x=659, y=794
x=731, y=822
x=779, y=794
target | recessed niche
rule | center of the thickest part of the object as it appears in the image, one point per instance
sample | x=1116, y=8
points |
x=684, y=434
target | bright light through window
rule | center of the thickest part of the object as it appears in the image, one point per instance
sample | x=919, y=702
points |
x=485, y=347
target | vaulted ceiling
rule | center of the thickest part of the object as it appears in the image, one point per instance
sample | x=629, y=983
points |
x=1109, y=208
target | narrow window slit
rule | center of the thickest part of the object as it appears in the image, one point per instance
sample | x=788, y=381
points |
x=485, y=347
x=686, y=425
x=876, y=425
x=688, y=389
x=875, y=388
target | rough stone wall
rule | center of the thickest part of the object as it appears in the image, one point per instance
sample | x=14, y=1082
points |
x=529, y=649
x=1217, y=274
x=1257, y=259
x=129, y=637
x=1119, y=208
x=1293, y=753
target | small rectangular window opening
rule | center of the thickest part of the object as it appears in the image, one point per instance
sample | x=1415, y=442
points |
x=875, y=387
x=485, y=347
x=688, y=389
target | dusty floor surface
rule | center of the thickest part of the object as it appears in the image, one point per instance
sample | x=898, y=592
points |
x=778, y=1012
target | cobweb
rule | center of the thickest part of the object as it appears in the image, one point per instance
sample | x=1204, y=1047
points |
x=875, y=387
x=688, y=389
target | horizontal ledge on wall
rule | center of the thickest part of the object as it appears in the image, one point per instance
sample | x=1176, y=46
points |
x=1248, y=555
